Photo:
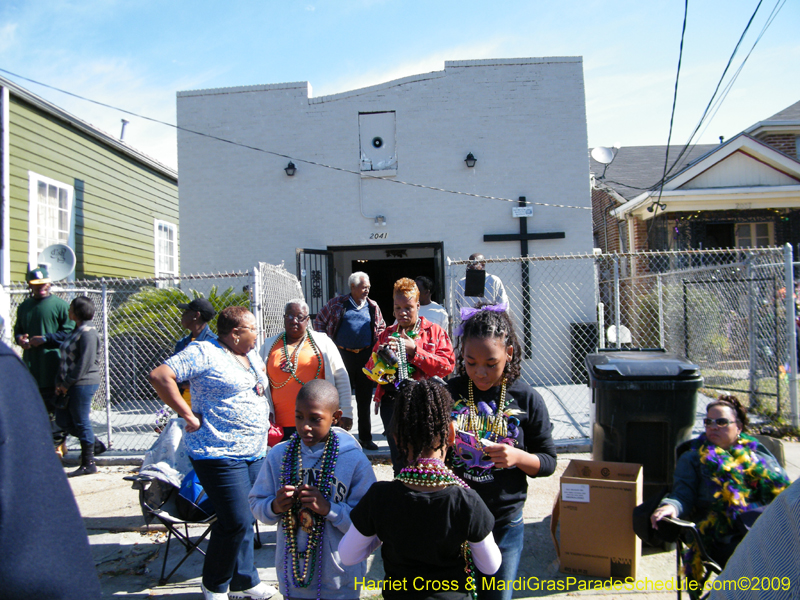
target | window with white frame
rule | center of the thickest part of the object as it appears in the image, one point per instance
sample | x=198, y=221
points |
x=166, y=248
x=50, y=206
x=754, y=235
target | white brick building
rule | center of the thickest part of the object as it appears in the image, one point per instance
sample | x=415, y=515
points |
x=524, y=120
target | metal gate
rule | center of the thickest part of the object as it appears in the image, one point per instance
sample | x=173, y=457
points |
x=315, y=272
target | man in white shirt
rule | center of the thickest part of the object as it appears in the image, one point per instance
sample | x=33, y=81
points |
x=433, y=311
x=493, y=290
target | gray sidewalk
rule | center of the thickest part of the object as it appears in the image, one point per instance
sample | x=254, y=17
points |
x=128, y=556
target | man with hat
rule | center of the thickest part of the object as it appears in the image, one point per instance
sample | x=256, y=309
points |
x=196, y=316
x=42, y=324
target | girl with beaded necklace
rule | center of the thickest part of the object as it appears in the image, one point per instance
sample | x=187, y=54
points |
x=309, y=484
x=503, y=429
x=431, y=525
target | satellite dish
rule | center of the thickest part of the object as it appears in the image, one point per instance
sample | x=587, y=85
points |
x=59, y=260
x=603, y=155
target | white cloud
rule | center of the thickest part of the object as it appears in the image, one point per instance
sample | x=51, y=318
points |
x=7, y=36
x=121, y=85
x=634, y=106
x=426, y=64
x=115, y=83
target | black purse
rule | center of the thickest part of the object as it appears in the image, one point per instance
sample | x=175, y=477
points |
x=667, y=533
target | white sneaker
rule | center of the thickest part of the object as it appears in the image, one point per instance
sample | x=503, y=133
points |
x=260, y=592
x=209, y=595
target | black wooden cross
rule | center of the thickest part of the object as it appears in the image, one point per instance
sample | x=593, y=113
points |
x=523, y=236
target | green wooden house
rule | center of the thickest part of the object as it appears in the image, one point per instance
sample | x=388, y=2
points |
x=65, y=181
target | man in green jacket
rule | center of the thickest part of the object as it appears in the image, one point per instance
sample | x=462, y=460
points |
x=42, y=324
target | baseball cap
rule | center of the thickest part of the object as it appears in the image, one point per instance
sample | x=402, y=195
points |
x=201, y=305
x=38, y=276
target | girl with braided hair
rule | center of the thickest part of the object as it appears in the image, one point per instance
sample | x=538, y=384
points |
x=433, y=528
x=503, y=430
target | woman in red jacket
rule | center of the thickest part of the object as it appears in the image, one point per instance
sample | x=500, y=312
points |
x=423, y=350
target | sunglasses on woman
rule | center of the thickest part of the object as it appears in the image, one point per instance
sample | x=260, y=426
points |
x=721, y=422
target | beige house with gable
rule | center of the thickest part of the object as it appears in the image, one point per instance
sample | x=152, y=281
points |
x=742, y=193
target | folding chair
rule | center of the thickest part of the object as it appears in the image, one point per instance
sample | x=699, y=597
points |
x=683, y=532
x=158, y=482
x=157, y=499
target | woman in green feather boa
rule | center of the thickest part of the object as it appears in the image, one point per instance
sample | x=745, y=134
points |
x=720, y=483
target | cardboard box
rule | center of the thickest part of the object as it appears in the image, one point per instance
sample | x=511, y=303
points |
x=595, y=509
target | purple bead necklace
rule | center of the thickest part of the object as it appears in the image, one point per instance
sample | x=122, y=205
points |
x=291, y=468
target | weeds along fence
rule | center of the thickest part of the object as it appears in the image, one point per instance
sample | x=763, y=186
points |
x=139, y=321
x=726, y=311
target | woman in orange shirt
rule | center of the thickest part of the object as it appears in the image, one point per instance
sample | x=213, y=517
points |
x=297, y=356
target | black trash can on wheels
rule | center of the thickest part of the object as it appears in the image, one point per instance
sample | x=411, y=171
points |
x=645, y=403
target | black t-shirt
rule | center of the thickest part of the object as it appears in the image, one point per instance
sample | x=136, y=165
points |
x=525, y=424
x=422, y=533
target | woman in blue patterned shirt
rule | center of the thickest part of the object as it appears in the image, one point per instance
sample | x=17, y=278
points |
x=226, y=436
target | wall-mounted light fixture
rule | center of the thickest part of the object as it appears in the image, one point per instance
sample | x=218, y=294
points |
x=380, y=221
x=290, y=169
x=470, y=160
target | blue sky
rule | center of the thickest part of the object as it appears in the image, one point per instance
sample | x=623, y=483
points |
x=137, y=55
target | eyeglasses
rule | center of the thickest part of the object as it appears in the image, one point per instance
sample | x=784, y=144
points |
x=297, y=319
x=721, y=422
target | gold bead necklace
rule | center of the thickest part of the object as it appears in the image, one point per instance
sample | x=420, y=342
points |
x=495, y=425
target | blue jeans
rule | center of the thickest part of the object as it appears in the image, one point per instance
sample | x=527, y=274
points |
x=74, y=419
x=509, y=538
x=230, y=562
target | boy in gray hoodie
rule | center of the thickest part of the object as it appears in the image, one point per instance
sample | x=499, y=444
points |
x=309, y=484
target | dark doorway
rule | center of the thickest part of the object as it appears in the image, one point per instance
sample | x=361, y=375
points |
x=719, y=235
x=384, y=272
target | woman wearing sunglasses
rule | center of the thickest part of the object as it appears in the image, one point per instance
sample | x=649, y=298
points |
x=721, y=482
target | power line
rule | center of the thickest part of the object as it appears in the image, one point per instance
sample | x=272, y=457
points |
x=716, y=104
x=772, y=16
x=716, y=90
x=289, y=157
x=657, y=203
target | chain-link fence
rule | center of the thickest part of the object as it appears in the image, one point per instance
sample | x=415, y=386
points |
x=553, y=304
x=275, y=287
x=723, y=310
x=139, y=321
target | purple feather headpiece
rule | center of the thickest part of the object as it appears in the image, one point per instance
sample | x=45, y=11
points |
x=467, y=313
